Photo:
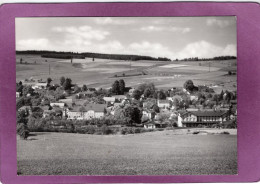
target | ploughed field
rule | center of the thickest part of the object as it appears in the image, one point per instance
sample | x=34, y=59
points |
x=101, y=72
x=155, y=153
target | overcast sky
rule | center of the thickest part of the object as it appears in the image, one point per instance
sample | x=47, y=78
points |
x=172, y=37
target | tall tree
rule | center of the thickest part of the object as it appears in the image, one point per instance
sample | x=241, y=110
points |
x=116, y=88
x=84, y=88
x=132, y=114
x=67, y=84
x=122, y=86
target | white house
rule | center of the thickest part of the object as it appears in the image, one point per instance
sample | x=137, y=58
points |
x=86, y=112
x=149, y=126
x=40, y=85
x=119, y=97
x=58, y=104
x=110, y=99
x=195, y=118
x=163, y=104
x=194, y=97
x=18, y=94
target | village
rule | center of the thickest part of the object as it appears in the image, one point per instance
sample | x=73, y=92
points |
x=66, y=107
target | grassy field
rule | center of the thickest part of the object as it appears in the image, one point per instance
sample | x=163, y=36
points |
x=100, y=73
x=155, y=153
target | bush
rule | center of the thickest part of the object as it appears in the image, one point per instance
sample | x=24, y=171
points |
x=106, y=130
x=196, y=132
x=160, y=129
x=137, y=130
x=22, y=131
x=224, y=132
x=123, y=131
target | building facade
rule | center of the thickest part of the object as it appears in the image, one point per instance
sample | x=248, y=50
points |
x=206, y=118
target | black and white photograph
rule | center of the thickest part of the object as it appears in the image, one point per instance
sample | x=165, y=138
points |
x=126, y=95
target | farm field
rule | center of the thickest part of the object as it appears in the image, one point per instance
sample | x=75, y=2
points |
x=101, y=72
x=154, y=153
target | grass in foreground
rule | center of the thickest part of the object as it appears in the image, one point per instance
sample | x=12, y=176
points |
x=156, y=153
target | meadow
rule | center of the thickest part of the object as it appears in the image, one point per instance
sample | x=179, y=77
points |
x=154, y=153
x=102, y=73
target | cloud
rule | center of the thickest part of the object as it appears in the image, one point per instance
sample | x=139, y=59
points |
x=113, y=21
x=171, y=29
x=151, y=28
x=32, y=44
x=150, y=49
x=82, y=32
x=220, y=23
x=203, y=49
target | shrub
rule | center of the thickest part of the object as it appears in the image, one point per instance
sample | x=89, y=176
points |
x=22, y=130
x=124, y=131
x=160, y=129
x=106, y=130
x=137, y=130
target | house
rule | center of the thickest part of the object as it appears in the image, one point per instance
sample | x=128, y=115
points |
x=109, y=100
x=194, y=97
x=40, y=85
x=149, y=125
x=18, y=94
x=85, y=94
x=86, y=112
x=119, y=97
x=147, y=113
x=58, y=104
x=195, y=118
x=163, y=104
x=68, y=101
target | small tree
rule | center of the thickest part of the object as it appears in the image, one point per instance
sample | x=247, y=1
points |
x=161, y=95
x=188, y=85
x=49, y=81
x=84, y=88
x=136, y=94
x=116, y=88
x=62, y=80
x=67, y=84
x=121, y=86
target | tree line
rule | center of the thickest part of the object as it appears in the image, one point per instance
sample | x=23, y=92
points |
x=69, y=55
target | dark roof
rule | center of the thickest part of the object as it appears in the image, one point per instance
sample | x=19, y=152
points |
x=94, y=107
x=200, y=122
x=208, y=113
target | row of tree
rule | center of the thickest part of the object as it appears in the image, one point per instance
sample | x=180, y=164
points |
x=69, y=55
x=208, y=59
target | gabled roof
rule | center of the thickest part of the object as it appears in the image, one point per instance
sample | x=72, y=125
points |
x=206, y=113
x=88, y=107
